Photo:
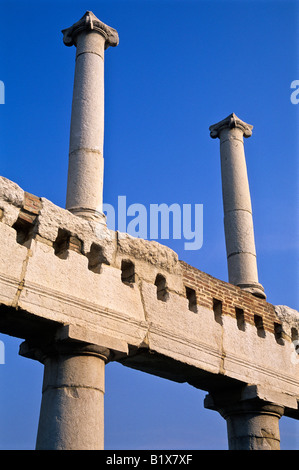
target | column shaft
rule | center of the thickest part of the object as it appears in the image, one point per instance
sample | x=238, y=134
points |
x=86, y=163
x=238, y=221
x=72, y=408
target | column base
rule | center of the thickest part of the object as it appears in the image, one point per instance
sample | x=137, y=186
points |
x=255, y=289
x=88, y=214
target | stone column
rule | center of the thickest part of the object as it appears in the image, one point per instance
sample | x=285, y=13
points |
x=72, y=407
x=252, y=424
x=238, y=222
x=85, y=174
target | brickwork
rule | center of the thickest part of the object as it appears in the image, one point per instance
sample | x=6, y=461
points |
x=209, y=289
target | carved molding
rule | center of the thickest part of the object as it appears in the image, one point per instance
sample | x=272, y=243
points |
x=89, y=22
x=231, y=122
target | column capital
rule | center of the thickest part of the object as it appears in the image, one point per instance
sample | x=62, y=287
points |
x=252, y=422
x=250, y=393
x=75, y=341
x=230, y=122
x=89, y=22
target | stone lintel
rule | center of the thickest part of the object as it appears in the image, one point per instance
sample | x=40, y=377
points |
x=230, y=122
x=89, y=22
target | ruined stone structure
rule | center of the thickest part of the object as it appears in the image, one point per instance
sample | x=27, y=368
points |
x=81, y=295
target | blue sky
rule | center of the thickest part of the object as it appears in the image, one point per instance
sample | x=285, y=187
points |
x=180, y=66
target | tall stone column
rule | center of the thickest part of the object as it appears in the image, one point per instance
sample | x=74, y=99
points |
x=86, y=164
x=238, y=222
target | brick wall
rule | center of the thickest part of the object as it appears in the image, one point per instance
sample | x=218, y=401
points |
x=212, y=292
